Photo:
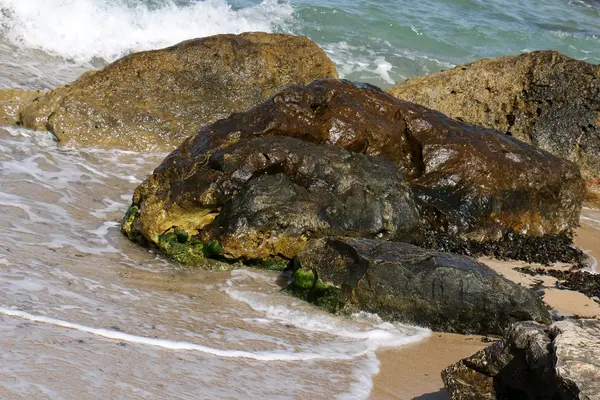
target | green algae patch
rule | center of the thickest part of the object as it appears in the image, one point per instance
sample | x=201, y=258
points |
x=213, y=249
x=306, y=286
x=179, y=246
x=269, y=264
x=127, y=226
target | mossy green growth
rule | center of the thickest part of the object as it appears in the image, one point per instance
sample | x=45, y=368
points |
x=270, y=264
x=306, y=286
x=180, y=247
x=213, y=249
x=127, y=227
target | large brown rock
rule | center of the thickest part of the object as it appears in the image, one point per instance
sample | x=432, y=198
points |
x=153, y=100
x=402, y=282
x=533, y=362
x=543, y=98
x=267, y=196
x=470, y=180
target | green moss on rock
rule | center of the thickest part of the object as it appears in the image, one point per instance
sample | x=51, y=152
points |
x=127, y=226
x=179, y=246
x=306, y=286
x=270, y=264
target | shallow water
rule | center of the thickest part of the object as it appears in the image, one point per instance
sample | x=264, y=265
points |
x=87, y=314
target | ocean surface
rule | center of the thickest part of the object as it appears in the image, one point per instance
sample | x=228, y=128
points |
x=86, y=314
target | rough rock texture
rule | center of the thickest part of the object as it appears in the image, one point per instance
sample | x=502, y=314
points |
x=12, y=101
x=592, y=196
x=470, y=180
x=153, y=100
x=266, y=196
x=402, y=282
x=543, y=98
x=533, y=361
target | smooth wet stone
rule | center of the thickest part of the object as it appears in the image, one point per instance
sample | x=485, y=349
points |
x=402, y=282
x=533, y=361
x=543, y=98
x=267, y=196
x=470, y=181
x=153, y=100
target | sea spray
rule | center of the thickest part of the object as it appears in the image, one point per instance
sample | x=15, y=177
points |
x=84, y=30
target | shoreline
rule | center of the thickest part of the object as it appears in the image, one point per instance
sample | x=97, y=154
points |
x=413, y=372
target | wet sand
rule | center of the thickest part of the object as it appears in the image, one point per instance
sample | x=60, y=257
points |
x=413, y=371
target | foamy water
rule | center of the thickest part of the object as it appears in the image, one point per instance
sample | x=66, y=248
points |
x=45, y=43
x=84, y=313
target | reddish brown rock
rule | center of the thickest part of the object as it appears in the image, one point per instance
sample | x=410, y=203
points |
x=543, y=98
x=471, y=181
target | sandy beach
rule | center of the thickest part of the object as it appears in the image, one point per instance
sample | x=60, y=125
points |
x=413, y=371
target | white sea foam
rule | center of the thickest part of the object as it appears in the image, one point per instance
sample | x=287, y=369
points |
x=83, y=30
x=362, y=326
x=179, y=345
x=359, y=62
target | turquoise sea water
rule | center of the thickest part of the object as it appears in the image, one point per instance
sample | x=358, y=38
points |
x=379, y=41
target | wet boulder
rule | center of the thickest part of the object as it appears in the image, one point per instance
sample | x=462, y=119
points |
x=266, y=197
x=470, y=181
x=153, y=100
x=12, y=101
x=402, y=282
x=532, y=362
x=543, y=98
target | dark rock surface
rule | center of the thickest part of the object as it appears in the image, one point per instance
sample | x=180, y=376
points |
x=543, y=98
x=402, y=282
x=533, y=361
x=266, y=196
x=153, y=100
x=470, y=180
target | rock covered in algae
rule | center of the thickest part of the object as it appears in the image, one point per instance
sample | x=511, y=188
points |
x=402, y=282
x=470, y=181
x=532, y=362
x=543, y=98
x=266, y=196
x=153, y=100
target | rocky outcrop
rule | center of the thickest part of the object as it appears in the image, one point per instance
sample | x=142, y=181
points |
x=266, y=196
x=533, y=361
x=12, y=101
x=153, y=100
x=543, y=98
x=402, y=282
x=470, y=181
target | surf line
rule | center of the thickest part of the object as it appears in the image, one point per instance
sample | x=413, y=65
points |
x=174, y=345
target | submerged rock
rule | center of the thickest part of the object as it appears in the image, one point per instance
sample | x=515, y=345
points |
x=543, y=98
x=402, y=282
x=471, y=181
x=533, y=361
x=153, y=100
x=266, y=196
x=12, y=101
